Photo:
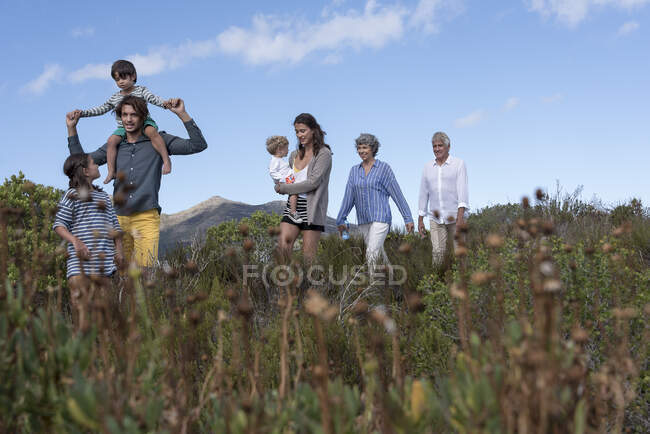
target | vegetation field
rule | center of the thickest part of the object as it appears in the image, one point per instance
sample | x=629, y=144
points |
x=537, y=324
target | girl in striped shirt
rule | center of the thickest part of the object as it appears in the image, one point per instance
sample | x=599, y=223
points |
x=125, y=76
x=86, y=220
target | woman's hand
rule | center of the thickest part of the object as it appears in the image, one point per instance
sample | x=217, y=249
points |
x=409, y=228
x=80, y=248
x=277, y=188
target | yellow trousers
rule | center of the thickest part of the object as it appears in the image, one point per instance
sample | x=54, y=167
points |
x=141, y=235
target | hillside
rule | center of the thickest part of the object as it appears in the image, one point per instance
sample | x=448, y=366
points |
x=182, y=226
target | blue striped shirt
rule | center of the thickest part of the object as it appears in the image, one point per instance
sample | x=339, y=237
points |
x=369, y=195
x=91, y=224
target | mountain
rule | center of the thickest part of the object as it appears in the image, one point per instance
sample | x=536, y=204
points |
x=181, y=227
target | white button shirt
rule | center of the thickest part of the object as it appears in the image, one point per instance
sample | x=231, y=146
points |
x=444, y=188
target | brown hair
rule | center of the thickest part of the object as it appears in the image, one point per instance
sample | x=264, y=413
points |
x=318, y=137
x=74, y=169
x=273, y=143
x=122, y=68
x=138, y=104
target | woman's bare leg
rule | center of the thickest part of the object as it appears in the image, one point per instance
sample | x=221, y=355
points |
x=288, y=235
x=310, y=245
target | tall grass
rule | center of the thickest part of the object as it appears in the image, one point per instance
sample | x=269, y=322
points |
x=535, y=327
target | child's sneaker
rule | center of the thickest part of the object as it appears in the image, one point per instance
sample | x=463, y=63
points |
x=294, y=217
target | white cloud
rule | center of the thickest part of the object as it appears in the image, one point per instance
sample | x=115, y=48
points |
x=511, y=103
x=273, y=39
x=628, y=28
x=556, y=97
x=471, y=119
x=50, y=73
x=100, y=70
x=572, y=12
x=82, y=32
x=428, y=13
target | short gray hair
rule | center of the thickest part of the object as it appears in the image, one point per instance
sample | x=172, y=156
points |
x=444, y=138
x=368, y=140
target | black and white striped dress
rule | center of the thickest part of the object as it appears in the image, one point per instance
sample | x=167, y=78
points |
x=91, y=223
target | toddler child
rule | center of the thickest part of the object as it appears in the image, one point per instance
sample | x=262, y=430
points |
x=125, y=76
x=86, y=220
x=278, y=147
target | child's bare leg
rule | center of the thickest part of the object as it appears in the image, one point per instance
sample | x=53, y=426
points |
x=293, y=201
x=159, y=145
x=111, y=156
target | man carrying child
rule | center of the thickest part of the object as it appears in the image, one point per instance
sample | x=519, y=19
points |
x=139, y=169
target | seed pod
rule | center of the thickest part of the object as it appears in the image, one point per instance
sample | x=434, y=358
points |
x=461, y=251
x=579, y=335
x=119, y=199
x=494, y=241
x=539, y=194
x=243, y=229
x=231, y=294
x=244, y=307
x=525, y=202
x=547, y=228
x=28, y=187
x=414, y=303
x=248, y=245
x=360, y=308
x=481, y=277
x=405, y=248
x=191, y=266
x=195, y=318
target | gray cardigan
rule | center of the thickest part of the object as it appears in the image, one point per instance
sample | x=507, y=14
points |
x=316, y=185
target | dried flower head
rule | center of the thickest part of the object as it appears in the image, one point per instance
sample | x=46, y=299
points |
x=494, y=241
x=191, y=266
x=552, y=285
x=539, y=194
x=243, y=229
x=525, y=202
x=248, y=245
x=405, y=248
x=481, y=277
x=461, y=251
x=244, y=307
x=119, y=199
x=457, y=292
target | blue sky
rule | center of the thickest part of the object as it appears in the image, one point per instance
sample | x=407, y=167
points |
x=530, y=91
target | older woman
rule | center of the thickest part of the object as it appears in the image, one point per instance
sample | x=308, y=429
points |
x=370, y=184
x=312, y=164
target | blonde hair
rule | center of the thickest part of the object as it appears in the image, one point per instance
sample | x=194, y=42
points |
x=273, y=143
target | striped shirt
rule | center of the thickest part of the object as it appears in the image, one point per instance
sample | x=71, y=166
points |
x=369, y=195
x=91, y=224
x=114, y=100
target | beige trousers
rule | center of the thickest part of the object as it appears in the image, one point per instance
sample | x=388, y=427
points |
x=441, y=237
